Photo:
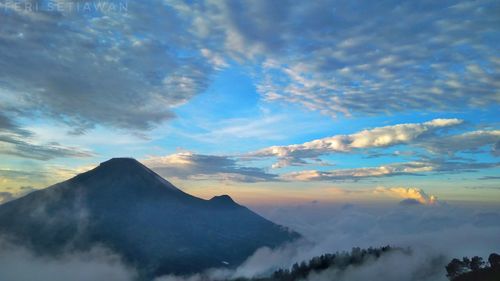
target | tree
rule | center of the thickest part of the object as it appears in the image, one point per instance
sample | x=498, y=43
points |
x=494, y=260
x=455, y=268
x=476, y=263
x=338, y=261
x=466, y=262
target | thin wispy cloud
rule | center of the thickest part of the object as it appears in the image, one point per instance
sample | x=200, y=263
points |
x=17, y=141
x=187, y=165
x=424, y=167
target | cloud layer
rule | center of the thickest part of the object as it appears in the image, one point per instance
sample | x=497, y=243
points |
x=373, y=138
x=18, y=263
x=409, y=195
x=435, y=232
x=436, y=148
x=118, y=68
x=187, y=165
x=395, y=169
x=112, y=67
x=17, y=141
x=340, y=57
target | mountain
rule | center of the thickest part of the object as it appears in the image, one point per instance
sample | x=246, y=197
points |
x=153, y=225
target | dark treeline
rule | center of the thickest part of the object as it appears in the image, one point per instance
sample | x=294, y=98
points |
x=475, y=268
x=339, y=261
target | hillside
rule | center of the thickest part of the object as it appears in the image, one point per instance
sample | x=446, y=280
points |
x=153, y=225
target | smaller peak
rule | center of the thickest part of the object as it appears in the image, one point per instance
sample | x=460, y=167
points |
x=223, y=199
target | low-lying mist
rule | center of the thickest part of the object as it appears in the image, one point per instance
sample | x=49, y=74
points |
x=435, y=233
x=20, y=264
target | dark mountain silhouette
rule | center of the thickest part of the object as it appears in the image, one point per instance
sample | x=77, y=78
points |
x=128, y=208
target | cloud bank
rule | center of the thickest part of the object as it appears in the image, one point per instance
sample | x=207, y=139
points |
x=187, y=165
x=17, y=141
x=357, y=58
x=409, y=195
x=18, y=263
x=435, y=232
x=436, y=154
x=121, y=69
x=372, y=138
x=423, y=167
x=113, y=68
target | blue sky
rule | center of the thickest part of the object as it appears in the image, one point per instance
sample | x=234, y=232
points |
x=267, y=101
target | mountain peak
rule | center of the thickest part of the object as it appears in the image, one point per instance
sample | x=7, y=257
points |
x=125, y=174
x=223, y=200
x=127, y=207
x=120, y=161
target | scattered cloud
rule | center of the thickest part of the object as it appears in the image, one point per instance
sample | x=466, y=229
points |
x=32, y=175
x=121, y=69
x=490, y=178
x=11, y=193
x=358, y=59
x=466, y=142
x=426, y=135
x=357, y=173
x=17, y=182
x=410, y=195
x=496, y=149
x=396, y=169
x=17, y=141
x=113, y=68
x=187, y=165
x=346, y=71
x=372, y=138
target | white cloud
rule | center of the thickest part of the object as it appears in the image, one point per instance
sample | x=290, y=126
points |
x=372, y=138
x=360, y=173
x=17, y=141
x=427, y=134
x=394, y=169
x=411, y=193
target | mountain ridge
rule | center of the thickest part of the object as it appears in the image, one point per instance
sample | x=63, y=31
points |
x=152, y=224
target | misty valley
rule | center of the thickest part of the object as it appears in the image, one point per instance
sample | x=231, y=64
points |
x=122, y=214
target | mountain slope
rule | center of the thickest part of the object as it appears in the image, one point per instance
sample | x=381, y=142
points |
x=128, y=208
